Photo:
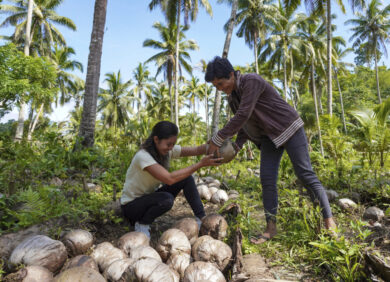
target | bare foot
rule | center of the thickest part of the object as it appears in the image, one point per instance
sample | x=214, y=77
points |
x=331, y=226
x=269, y=233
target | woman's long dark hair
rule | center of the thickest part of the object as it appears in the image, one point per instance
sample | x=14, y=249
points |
x=163, y=130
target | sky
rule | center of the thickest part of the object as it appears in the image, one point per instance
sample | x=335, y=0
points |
x=129, y=23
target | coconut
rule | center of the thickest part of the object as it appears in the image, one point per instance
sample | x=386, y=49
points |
x=199, y=241
x=219, y=197
x=203, y=271
x=213, y=190
x=40, y=250
x=204, y=192
x=32, y=273
x=81, y=260
x=208, y=179
x=144, y=252
x=226, y=151
x=151, y=270
x=119, y=270
x=105, y=254
x=171, y=242
x=214, y=225
x=78, y=241
x=189, y=226
x=84, y=274
x=214, y=251
x=132, y=240
x=179, y=262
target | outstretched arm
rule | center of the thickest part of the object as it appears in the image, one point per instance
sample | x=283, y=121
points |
x=193, y=151
x=170, y=178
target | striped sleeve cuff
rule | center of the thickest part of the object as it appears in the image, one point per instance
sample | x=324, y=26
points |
x=282, y=138
x=217, y=140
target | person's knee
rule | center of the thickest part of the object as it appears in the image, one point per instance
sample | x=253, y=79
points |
x=167, y=201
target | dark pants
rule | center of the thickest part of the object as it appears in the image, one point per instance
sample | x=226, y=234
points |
x=297, y=150
x=147, y=208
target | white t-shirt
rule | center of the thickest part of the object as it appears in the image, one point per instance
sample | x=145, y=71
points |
x=140, y=182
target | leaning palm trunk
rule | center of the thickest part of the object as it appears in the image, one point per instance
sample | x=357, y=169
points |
x=207, y=112
x=255, y=51
x=316, y=108
x=22, y=109
x=176, y=85
x=88, y=119
x=329, y=56
x=225, y=52
x=34, y=123
x=377, y=75
x=285, y=79
x=341, y=103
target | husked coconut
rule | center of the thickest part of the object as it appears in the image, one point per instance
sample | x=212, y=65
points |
x=213, y=190
x=208, y=179
x=179, y=262
x=40, y=250
x=203, y=271
x=214, y=184
x=81, y=260
x=227, y=151
x=105, y=254
x=151, y=270
x=214, y=251
x=132, y=240
x=219, y=197
x=199, y=241
x=119, y=270
x=144, y=252
x=32, y=273
x=214, y=225
x=78, y=274
x=189, y=226
x=204, y=192
x=171, y=242
x=78, y=241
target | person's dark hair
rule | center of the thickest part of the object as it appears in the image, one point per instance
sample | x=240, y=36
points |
x=218, y=68
x=163, y=130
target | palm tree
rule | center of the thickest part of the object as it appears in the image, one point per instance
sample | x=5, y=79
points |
x=172, y=9
x=193, y=91
x=142, y=79
x=158, y=106
x=254, y=18
x=372, y=28
x=165, y=60
x=87, y=126
x=115, y=102
x=283, y=44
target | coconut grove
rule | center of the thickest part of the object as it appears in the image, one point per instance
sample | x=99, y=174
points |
x=207, y=159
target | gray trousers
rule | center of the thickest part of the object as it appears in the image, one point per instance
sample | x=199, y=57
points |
x=297, y=150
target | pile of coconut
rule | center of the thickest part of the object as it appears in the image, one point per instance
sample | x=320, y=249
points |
x=209, y=189
x=184, y=252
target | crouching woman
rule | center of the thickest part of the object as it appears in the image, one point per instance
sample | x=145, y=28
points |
x=142, y=200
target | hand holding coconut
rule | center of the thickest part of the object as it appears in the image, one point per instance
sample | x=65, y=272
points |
x=227, y=151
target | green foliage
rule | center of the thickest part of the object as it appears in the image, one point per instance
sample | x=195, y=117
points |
x=24, y=78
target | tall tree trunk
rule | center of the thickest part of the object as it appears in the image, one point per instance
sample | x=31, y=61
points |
x=255, y=51
x=285, y=78
x=34, y=124
x=88, y=119
x=207, y=112
x=176, y=84
x=377, y=75
x=27, y=41
x=194, y=120
x=319, y=100
x=171, y=98
x=225, y=52
x=316, y=108
x=341, y=103
x=329, y=56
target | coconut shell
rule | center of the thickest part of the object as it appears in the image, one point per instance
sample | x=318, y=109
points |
x=105, y=254
x=213, y=190
x=214, y=225
x=179, y=263
x=227, y=151
x=32, y=273
x=189, y=226
x=204, y=192
x=119, y=270
x=78, y=241
x=40, y=250
x=81, y=260
x=79, y=274
x=214, y=251
x=132, y=240
x=198, y=242
x=151, y=270
x=220, y=197
x=203, y=271
x=173, y=241
x=144, y=252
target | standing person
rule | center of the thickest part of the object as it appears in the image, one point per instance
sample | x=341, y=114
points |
x=263, y=117
x=142, y=201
